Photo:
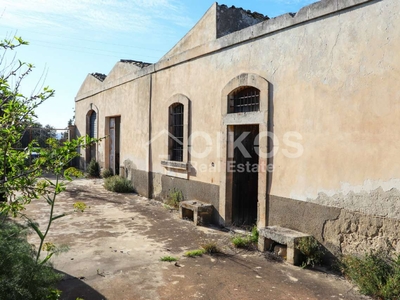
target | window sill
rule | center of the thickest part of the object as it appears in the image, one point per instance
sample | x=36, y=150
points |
x=174, y=165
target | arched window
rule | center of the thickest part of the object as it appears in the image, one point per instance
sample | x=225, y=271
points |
x=91, y=131
x=176, y=130
x=93, y=125
x=244, y=99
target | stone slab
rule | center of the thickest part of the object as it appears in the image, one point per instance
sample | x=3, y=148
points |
x=285, y=236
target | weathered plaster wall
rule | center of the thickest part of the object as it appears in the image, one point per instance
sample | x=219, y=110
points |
x=204, y=118
x=163, y=185
x=218, y=21
x=340, y=95
x=139, y=179
x=131, y=102
x=203, y=32
x=91, y=83
x=333, y=80
x=381, y=201
x=340, y=230
x=121, y=69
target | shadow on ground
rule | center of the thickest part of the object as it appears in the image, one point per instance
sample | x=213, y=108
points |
x=73, y=288
x=117, y=244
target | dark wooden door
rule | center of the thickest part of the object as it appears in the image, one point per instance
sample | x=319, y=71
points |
x=114, y=144
x=245, y=176
x=93, y=134
x=111, y=156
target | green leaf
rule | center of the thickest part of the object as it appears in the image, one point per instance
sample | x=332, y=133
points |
x=36, y=228
x=57, y=217
x=47, y=258
x=49, y=200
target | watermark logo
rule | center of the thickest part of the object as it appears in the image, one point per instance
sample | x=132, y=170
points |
x=233, y=167
x=254, y=150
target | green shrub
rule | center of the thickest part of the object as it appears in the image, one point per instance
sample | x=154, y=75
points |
x=210, y=247
x=312, y=251
x=392, y=286
x=93, y=168
x=107, y=173
x=118, y=184
x=240, y=241
x=194, y=253
x=254, y=235
x=375, y=274
x=20, y=276
x=174, y=197
x=168, y=258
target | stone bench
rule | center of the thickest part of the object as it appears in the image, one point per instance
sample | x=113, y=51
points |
x=199, y=212
x=270, y=234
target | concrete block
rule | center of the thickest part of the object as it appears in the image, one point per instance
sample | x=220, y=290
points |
x=200, y=212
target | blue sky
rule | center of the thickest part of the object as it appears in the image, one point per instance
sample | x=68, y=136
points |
x=72, y=38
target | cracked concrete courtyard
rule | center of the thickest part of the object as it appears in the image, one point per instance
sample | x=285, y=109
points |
x=116, y=246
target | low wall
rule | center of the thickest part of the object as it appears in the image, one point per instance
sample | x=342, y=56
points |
x=339, y=230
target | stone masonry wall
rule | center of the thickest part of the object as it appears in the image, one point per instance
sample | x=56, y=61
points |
x=356, y=233
x=231, y=19
x=341, y=231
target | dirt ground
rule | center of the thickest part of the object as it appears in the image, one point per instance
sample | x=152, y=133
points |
x=116, y=246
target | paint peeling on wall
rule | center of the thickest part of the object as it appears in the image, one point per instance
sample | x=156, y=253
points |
x=379, y=198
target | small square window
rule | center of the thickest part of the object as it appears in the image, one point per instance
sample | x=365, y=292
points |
x=245, y=99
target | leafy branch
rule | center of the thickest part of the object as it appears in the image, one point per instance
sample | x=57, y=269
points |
x=20, y=179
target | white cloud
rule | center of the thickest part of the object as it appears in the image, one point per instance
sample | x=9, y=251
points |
x=123, y=15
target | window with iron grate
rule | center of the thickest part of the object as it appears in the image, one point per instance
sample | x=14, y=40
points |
x=176, y=131
x=245, y=99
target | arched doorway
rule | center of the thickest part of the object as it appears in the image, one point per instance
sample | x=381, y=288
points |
x=245, y=157
x=243, y=189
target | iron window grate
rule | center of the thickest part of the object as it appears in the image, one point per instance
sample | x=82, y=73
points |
x=176, y=130
x=245, y=100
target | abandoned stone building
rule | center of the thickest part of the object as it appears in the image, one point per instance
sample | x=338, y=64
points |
x=291, y=121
